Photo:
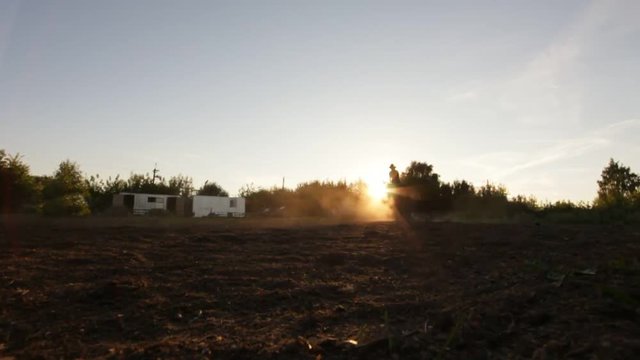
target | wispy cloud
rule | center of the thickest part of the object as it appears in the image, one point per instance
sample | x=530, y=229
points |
x=550, y=87
x=504, y=164
x=559, y=169
x=568, y=149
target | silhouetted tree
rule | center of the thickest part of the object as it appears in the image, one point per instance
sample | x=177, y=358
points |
x=420, y=188
x=101, y=191
x=358, y=189
x=445, y=197
x=66, y=192
x=618, y=186
x=212, y=189
x=492, y=200
x=180, y=185
x=419, y=173
x=464, y=196
x=16, y=185
x=321, y=198
x=146, y=184
x=523, y=205
x=462, y=189
x=247, y=190
x=270, y=202
x=66, y=180
x=492, y=191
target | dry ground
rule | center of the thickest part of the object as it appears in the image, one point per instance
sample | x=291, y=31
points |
x=163, y=288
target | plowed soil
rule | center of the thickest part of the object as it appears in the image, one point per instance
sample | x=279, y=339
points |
x=241, y=289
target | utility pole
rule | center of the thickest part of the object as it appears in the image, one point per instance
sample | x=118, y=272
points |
x=155, y=171
x=283, y=183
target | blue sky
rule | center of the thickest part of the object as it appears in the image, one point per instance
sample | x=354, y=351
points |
x=536, y=95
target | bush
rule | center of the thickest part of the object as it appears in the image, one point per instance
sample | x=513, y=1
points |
x=67, y=205
x=212, y=189
x=67, y=180
x=101, y=192
x=618, y=215
x=618, y=187
x=16, y=185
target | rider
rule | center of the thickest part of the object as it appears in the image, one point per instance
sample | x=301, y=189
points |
x=394, y=176
x=394, y=196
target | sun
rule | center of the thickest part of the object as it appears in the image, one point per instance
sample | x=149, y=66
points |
x=376, y=189
x=377, y=204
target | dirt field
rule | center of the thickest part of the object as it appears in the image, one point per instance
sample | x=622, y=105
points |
x=149, y=289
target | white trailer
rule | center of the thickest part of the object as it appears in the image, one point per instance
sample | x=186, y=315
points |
x=218, y=206
x=141, y=204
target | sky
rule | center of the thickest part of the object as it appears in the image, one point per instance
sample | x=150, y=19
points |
x=535, y=95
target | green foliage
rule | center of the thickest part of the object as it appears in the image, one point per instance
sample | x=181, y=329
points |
x=180, y=185
x=145, y=184
x=101, y=191
x=492, y=199
x=462, y=189
x=314, y=198
x=419, y=173
x=212, y=189
x=420, y=189
x=489, y=201
x=324, y=198
x=635, y=201
x=463, y=195
x=523, y=205
x=16, y=185
x=359, y=189
x=493, y=192
x=618, y=197
x=565, y=211
x=420, y=177
x=64, y=194
x=618, y=187
x=39, y=183
x=67, y=180
x=247, y=190
x=66, y=205
x=272, y=201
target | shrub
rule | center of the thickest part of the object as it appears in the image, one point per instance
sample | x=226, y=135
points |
x=101, y=192
x=618, y=187
x=67, y=205
x=212, y=189
x=16, y=185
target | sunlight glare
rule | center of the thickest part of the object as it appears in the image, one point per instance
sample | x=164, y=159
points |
x=377, y=190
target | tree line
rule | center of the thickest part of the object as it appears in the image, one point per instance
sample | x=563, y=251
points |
x=420, y=189
x=68, y=192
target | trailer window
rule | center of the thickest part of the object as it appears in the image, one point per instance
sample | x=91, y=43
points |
x=233, y=203
x=151, y=199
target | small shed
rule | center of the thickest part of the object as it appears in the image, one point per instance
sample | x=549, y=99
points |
x=140, y=204
x=218, y=206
